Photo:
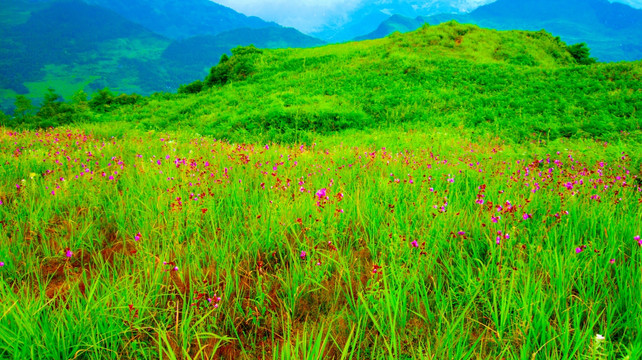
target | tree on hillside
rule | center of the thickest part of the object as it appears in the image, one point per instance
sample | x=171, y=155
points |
x=24, y=108
x=5, y=120
x=581, y=53
x=53, y=111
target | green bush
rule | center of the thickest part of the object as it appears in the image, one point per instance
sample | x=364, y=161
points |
x=581, y=53
x=193, y=88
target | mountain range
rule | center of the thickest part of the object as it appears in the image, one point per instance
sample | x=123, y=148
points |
x=140, y=46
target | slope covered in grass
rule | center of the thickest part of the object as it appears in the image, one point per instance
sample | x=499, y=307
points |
x=518, y=84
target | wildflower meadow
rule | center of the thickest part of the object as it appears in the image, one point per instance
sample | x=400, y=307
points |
x=385, y=245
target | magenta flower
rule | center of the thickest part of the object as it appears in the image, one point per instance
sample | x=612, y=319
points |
x=495, y=219
x=415, y=243
x=462, y=233
x=303, y=254
x=321, y=193
x=637, y=238
x=578, y=250
x=68, y=253
x=137, y=237
x=1, y=263
x=612, y=261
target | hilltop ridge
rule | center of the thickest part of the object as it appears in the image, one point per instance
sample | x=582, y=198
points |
x=518, y=84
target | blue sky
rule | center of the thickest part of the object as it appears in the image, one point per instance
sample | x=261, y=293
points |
x=311, y=15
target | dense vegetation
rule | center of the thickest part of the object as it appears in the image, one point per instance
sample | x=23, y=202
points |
x=520, y=85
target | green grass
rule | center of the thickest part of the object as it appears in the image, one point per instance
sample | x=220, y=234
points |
x=235, y=219
x=519, y=85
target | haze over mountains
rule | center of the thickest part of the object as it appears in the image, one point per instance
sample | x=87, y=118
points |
x=147, y=46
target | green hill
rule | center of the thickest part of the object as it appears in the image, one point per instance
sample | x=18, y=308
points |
x=70, y=45
x=522, y=85
x=611, y=30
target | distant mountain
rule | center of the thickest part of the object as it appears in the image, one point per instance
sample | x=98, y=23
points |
x=71, y=45
x=394, y=23
x=178, y=19
x=196, y=55
x=70, y=42
x=367, y=17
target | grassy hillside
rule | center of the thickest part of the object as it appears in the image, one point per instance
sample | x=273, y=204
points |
x=612, y=30
x=523, y=85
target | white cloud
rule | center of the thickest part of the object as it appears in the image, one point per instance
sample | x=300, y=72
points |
x=305, y=15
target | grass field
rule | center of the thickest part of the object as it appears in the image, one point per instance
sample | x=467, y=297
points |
x=378, y=245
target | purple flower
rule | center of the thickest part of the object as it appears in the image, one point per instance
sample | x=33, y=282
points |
x=321, y=193
x=526, y=216
x=303, y=254
x=637, y=238
x=462, y=233
x=612, y=261
x=69, y=253
x=1, y=263
x=137, y=237
x=495, y=219
x=415, y=243
x=578, y=250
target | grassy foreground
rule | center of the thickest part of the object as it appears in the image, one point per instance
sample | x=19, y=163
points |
x=404, y=245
